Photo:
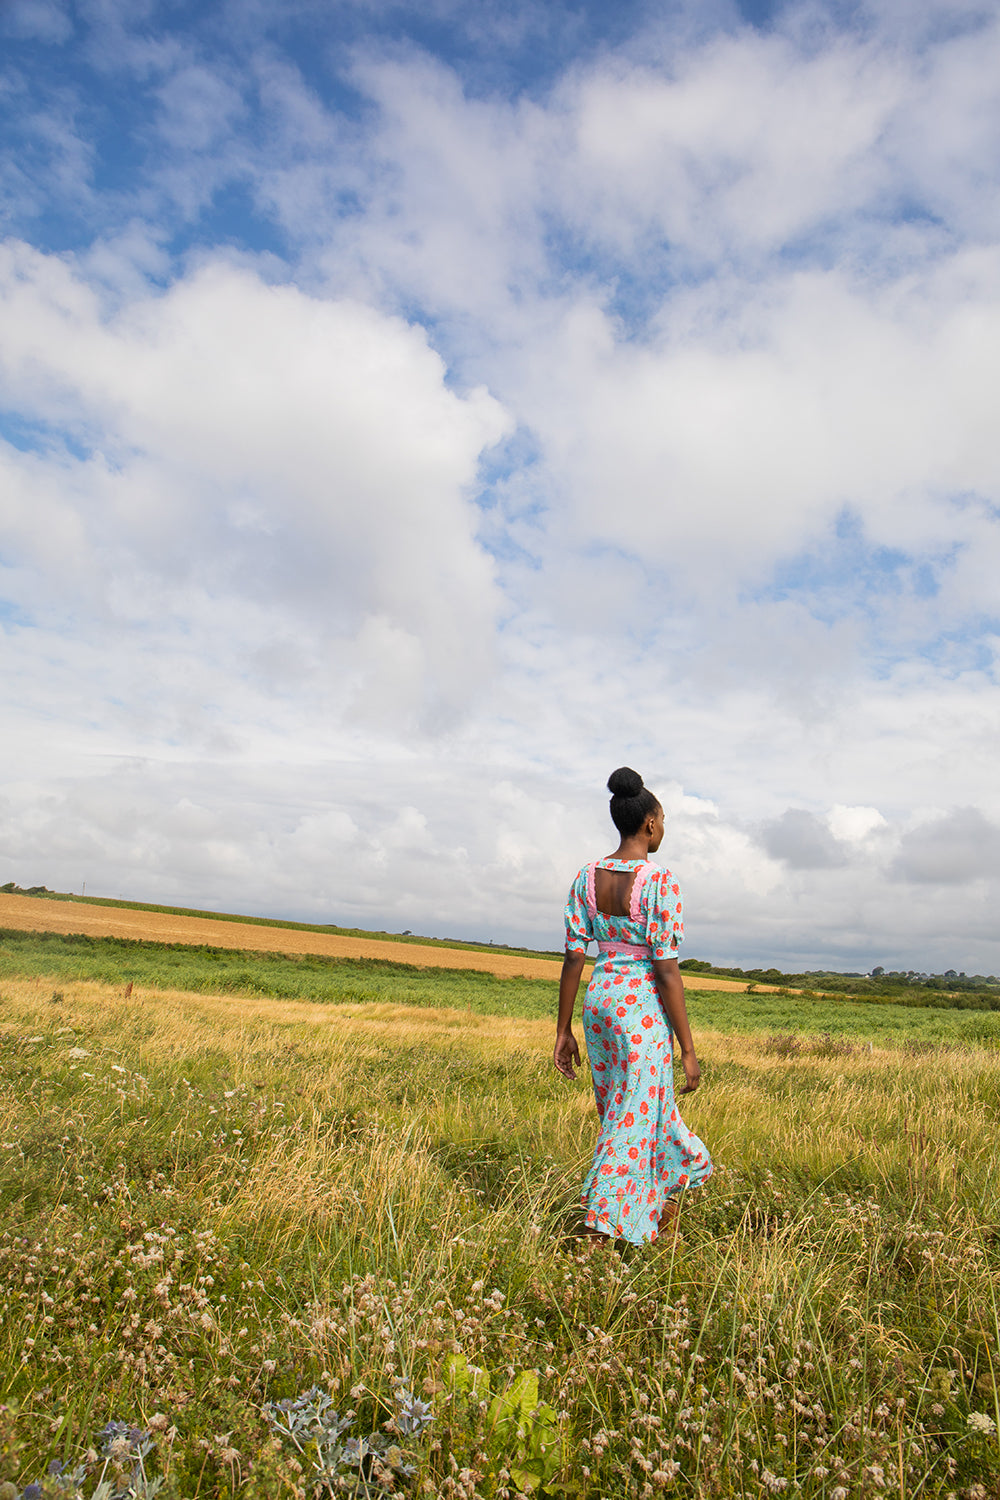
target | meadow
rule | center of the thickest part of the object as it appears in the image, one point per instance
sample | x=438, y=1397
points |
x=222, y=1192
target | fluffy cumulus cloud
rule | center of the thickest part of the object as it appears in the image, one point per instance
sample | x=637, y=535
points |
x=230, y=443
x=395, y=437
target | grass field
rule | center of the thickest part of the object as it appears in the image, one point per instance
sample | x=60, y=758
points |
x=338, y=981
x=216, y=1200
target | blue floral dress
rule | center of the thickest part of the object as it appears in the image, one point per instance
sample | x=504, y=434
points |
x=644, y=1151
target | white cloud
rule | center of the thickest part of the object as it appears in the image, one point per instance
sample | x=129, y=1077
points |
x=250, y=442
x=742, y=298
x=802, y=840
x=44, y=20
x=853, y=825
x=953, y=849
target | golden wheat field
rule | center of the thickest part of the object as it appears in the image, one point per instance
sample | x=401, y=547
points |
x=29, y=914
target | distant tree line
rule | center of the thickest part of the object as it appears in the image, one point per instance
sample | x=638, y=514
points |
x=880, y=982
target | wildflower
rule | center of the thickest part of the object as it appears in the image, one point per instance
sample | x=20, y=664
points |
x=839, y=1493
x=772, y=1482
x=979, y=1421
x=413, y=1415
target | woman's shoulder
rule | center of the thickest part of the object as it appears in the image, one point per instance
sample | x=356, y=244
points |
x=662, y=880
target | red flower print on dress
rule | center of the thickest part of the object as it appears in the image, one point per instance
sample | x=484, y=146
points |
x=625, y=1032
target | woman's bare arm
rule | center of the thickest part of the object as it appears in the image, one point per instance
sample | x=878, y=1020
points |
x=671, y=988
x=567, y=1052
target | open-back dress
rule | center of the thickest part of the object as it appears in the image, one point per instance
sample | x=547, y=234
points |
x=644, y=1152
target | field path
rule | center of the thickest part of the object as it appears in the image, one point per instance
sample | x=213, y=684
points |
x=35, y=914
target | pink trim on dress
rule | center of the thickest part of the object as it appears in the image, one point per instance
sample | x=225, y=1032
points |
x=642, y=875
x=591, y=895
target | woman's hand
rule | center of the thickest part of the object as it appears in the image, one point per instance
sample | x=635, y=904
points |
x=692, y=1072
x=566, y=1054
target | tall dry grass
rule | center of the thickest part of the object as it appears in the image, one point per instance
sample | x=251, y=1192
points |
x=226, y=1200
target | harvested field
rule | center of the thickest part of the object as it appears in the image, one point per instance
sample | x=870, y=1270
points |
x=30, y=914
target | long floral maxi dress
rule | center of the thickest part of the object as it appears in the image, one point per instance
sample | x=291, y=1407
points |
x=644, y=1151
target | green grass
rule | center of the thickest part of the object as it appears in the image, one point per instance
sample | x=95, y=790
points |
x=348, y=981
x=876, y=1021
x=232, y=971
x=229, y=1197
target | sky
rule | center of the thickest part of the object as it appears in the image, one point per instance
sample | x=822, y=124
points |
x=410, y=412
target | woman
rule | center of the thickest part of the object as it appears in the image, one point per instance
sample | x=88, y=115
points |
x=633, y=1008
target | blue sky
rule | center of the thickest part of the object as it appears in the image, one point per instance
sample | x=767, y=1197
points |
x=410, y=413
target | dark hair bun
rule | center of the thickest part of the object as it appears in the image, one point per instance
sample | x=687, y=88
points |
x=625, y=782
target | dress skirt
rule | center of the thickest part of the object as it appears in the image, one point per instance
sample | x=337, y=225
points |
x=644, y=1152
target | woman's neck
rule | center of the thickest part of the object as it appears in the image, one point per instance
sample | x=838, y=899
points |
x=635, y=847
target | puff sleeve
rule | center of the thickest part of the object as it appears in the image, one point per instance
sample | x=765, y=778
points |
x=579, y=929
x=664, y=920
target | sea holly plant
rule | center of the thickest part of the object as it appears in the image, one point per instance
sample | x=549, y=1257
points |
x=123, y=1476
x=360, y=1466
